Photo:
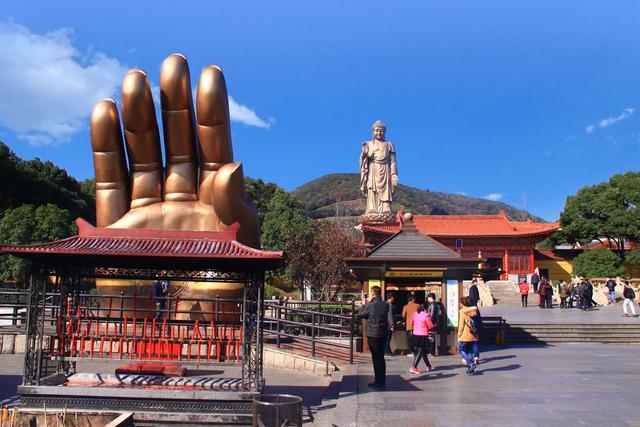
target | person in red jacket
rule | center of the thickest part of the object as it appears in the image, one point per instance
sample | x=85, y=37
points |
x=524, y=293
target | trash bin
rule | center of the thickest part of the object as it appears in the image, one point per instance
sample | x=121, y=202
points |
x=277, y=410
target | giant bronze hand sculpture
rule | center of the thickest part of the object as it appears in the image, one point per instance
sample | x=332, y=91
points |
x=199, y=188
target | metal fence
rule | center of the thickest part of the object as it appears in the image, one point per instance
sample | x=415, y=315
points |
x=315, y=322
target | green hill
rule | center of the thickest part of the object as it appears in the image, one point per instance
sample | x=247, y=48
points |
x=37, y=183
x=338, y=195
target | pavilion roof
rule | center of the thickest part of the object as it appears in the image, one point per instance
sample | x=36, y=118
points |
x=409, y=243
x=467, y=226
x=98, y=246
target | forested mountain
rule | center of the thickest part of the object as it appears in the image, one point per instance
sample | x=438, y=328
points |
x=338, y=195
x=37, y=183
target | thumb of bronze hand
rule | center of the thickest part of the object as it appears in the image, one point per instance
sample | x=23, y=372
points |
x=199, y=187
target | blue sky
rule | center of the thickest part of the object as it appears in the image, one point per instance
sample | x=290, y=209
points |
x=491, y=99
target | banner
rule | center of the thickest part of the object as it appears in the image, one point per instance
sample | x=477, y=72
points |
x=453, y=303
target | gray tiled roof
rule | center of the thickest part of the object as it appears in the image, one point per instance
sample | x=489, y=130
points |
x=412, y=245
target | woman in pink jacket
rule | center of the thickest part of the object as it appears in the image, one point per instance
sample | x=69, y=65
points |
x=421, y=325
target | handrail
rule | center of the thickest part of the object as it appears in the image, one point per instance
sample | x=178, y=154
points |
x=281, y=313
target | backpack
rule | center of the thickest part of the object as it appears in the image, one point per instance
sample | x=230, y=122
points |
x=475, y=323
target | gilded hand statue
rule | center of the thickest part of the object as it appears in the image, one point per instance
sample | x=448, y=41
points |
x=199, y=187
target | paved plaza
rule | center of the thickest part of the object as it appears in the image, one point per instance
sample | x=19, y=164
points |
x=533, y=314
x=534, y=385
x=572, y=385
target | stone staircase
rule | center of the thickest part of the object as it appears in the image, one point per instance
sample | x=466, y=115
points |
x=555, y=334
x=506, y=293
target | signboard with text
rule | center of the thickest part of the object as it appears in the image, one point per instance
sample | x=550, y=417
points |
x=415, y=273
x=452, y=303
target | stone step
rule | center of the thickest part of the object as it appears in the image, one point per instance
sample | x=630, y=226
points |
x=603, y=326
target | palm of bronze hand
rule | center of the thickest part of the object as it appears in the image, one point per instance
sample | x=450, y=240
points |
x=200, y=188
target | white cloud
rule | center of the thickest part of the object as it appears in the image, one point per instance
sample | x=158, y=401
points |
x=606, y=122
x=47, y=87
x=243, y=114
x=494, y=196
x=239, y=113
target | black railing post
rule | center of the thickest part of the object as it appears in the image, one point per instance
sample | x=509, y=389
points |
x=313, y=334
x=279, y=315
x=352, y=322
x=121, y=309
x=14, y=321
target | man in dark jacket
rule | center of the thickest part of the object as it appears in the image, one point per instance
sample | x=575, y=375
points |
x=611, y=286
x=434, y=311
x=588, y=293
x=542, y=295
x=474, y=294
x=582, y=295
x=378, y=324
x=535, y=279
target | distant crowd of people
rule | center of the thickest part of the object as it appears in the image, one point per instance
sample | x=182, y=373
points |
x=422, y=323
x=578, y=291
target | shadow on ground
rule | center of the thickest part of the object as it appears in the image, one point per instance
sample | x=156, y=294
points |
x=8, y=384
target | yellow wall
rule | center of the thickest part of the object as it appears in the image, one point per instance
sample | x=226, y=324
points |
x=563, y=270
x=558, y=270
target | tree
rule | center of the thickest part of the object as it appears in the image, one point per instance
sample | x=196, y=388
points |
x=329, y=274
x=285, y=220
x=37, y=183
x=598, y=263
x=28, y=224
x=633, y=257
x=261, y=194
x=287, y=228
x=607, y=212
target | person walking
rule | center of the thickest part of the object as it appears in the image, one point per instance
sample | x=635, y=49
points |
x=582, y=296
x=474, y=293
x=572, y=293
x=435, y=311
x=549, y=294
x=379, y=321
x=542, y=295
x=564, y=294
x=468, y=333
x=524, y=293
x=535, y=280
x=387, y=348
x=611, y=286
x=407, y=313
x=589, y=295
x=628, y=294
x=422, y=325
x=159, y=290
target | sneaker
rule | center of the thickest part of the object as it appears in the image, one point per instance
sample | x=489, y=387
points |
x=625, y=315
x=476, y=360
x=410, y=354
x=429, y=368
x=414, y=370
x=464, y=362
x=375, y=385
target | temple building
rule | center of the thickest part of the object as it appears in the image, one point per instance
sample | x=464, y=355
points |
x=507, y=247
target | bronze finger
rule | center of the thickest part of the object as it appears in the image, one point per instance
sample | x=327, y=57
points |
x=232, y=204
x=112, y=195
x=142, y=139
x=214, y=133
x=179, y=135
